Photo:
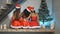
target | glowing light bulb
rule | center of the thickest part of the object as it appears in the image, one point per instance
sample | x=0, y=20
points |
x=4, y=26
x=52, y=26
x=1, y=26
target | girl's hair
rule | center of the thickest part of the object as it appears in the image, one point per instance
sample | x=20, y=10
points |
x=24, y=16
x=18, y=10
x=16, y=14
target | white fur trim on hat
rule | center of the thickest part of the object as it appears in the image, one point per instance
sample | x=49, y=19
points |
x=28, y=10
x=18, y=7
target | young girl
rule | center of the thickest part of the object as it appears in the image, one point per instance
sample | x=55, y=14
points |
x=15, y=17
x=15, y=20
x=34, y=20
x=24, y=22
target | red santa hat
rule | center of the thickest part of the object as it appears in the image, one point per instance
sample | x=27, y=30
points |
x=18, y=6
x=30, y=8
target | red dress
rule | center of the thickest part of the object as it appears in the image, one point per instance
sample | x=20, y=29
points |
x=24, y=22
x=21, y=22
x=15, y=23
x=34, y=23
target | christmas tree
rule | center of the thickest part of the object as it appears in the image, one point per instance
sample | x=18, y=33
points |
x=44, y=12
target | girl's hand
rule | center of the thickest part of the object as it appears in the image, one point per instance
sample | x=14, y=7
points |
x=24, y=19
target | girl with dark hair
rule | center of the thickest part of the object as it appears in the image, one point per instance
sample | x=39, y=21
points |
x=34, y=20
x=15, y=17
x=24, y=22
x=15, y=21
